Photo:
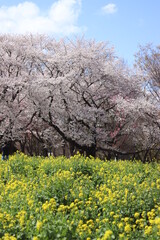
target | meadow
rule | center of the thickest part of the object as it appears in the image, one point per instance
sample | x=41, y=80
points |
x=78, y=198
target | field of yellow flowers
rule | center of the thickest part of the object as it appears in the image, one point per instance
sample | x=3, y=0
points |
x=78, y=198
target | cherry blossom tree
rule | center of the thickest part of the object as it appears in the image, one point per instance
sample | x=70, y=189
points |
x=16, y=67
x=148, y=60
x=88, y=95
x=76, y=93
x=148, y=65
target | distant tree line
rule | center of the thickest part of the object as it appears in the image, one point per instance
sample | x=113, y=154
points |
x=64, y=96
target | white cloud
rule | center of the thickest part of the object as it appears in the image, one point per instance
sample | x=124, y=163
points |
x=110, y=8
x=27, y=17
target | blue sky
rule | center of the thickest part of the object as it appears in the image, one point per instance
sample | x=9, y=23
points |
x=124, y=23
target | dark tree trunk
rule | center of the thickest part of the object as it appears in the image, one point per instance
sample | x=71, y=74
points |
x=91, y=151
x=71, y=148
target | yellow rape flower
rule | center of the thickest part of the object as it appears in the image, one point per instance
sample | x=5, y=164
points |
x=13, y=238
x=127, y=228
x=107, y=235
x=30, y=203
x=35, y=238
x=39, y=225
x=126, y=219
x=72, y=205
x=136, y=215
x=121, y=235
x=151, y=214
x=148, y=230
x=111, y=213
x=8, y=237
x=157, y=220
x=151, y=221
x=22, y=220
x=120, y=225
x=80, y=194
x=158, y=181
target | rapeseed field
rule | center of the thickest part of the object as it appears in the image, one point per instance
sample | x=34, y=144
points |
x=78, y=198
